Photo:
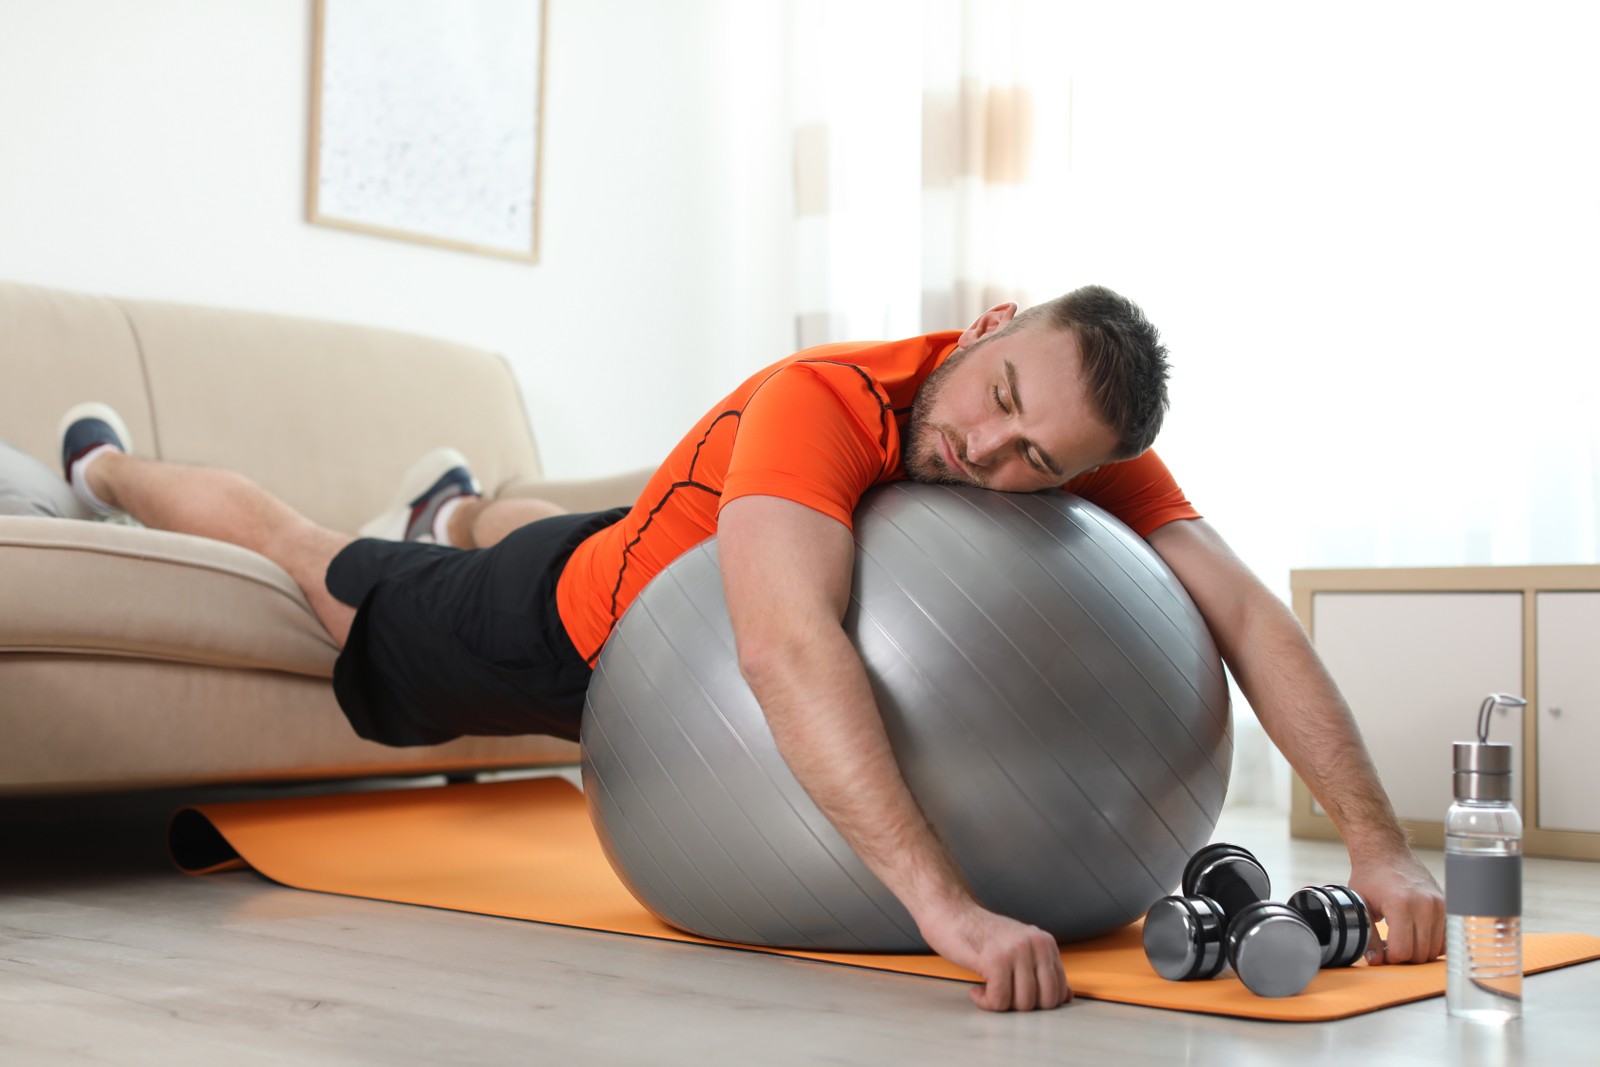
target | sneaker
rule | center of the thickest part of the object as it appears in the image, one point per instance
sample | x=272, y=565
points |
x=432, y=482
x=88, y=426
x=85, y=431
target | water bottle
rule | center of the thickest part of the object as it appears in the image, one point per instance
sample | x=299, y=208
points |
x=1483, y=880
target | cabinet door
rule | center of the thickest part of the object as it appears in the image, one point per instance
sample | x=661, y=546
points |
x=1569, y=710
x=1415, y=667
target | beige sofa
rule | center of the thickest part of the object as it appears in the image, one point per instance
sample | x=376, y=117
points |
x=133, y=657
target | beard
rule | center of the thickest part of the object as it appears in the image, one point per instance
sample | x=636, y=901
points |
x=919, y=450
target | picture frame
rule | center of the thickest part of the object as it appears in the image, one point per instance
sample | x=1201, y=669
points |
x=427, y=121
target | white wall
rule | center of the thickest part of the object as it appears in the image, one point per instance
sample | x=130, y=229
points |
x=158, y=149
x=1369, y=232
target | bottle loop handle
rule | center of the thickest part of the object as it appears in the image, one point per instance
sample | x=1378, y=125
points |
x=1490, y=702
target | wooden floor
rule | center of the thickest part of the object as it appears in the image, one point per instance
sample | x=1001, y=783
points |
x=107, y=956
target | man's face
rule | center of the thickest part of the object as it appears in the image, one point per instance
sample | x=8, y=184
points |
x=1010, y=412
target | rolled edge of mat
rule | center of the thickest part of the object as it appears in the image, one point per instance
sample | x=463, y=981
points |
x=198, y=847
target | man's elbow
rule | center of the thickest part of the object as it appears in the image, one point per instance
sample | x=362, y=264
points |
x=766, y=659
x=778, y=655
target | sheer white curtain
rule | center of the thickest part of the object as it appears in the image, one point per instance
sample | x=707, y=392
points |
x=926, y=135
x=1369, y=232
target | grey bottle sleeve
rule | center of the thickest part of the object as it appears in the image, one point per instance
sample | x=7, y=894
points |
x=1483, y=885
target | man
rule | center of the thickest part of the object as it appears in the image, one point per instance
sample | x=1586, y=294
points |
x=437, y=642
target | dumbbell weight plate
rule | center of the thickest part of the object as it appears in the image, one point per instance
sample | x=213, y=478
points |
x=1338, y=916
x=1272, y=950
x=1207, y=858
x=1229, y=875
x=1357, y=923
x=1183, y=938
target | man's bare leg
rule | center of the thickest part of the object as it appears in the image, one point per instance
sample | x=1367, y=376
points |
x=225, y=506
x=479, y=523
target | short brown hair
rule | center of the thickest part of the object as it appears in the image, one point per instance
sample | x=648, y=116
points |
x=1123, y=359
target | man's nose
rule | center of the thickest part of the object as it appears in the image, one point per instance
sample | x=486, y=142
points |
x=982, y=445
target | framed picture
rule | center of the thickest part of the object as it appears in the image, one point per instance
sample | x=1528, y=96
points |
x=425, y=121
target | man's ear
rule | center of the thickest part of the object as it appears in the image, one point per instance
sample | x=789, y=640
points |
x=991, y=321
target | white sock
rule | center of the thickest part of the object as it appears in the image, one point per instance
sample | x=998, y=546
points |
x=441, y=521
x=80, y=480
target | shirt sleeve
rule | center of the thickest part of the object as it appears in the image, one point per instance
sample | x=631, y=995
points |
x=1141, y=492
x=819, y=434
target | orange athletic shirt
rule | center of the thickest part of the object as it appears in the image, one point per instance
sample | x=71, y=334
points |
x=818, y=428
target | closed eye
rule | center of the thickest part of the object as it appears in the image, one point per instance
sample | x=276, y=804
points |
x=1030, y=454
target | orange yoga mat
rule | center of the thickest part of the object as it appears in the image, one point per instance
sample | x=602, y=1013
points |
x=525, y=850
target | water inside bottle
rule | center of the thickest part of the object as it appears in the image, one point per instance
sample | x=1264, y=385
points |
x=1488, y=986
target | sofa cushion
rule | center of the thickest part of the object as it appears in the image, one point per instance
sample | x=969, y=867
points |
x=100, y=589
x=28, y=487
x=325, y=415
x=60, y=349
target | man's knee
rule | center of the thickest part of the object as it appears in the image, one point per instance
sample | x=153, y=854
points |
x=487, y=522
x=307, y=554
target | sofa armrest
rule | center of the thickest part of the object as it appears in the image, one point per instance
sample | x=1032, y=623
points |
x=594, y=494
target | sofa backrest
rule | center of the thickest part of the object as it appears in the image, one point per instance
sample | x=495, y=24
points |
x=325, y=415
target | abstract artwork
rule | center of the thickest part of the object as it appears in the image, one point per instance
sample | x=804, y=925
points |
x=425, y=121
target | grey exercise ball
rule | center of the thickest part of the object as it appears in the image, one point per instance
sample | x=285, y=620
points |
x=1054, y=700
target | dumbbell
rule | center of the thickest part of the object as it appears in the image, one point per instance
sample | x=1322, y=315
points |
x=1225, y=918
x=1234, y=878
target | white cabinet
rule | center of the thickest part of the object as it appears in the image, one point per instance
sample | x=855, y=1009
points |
x=1569, y=710
x=1414, y=668
x=1416, y=650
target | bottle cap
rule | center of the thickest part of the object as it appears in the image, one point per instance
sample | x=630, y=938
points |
x=1483, y=770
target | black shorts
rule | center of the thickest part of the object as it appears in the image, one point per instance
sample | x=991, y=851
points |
x=448, y=642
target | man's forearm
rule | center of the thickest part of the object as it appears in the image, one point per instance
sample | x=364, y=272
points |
x=1301, y=709
x=829, y=731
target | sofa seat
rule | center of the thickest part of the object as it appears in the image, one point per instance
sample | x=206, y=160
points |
x=100, y=590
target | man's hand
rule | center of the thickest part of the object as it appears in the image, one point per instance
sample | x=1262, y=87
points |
x=1402, y=892
x=1020, y=965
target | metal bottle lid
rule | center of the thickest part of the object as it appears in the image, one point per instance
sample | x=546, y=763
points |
x=1483, y=770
